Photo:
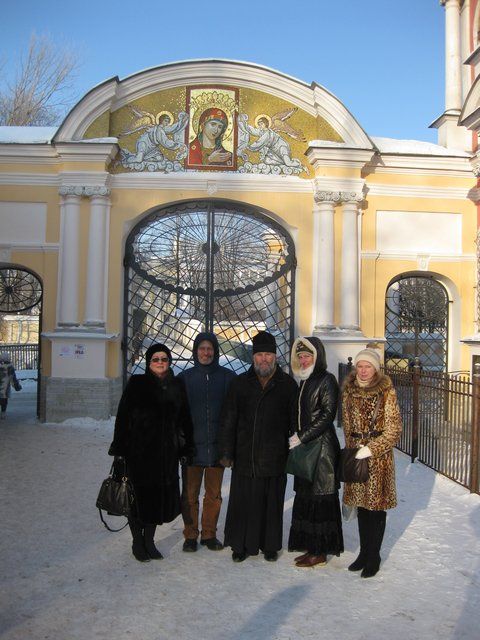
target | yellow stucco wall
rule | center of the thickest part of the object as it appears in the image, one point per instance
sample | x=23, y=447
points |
x=292, y=210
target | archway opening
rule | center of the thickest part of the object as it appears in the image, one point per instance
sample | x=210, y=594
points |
x=21, y=297
x=207, y=265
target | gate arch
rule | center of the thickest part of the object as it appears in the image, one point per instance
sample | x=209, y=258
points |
x=416, y=321
x=207, y=265
x=21, y=293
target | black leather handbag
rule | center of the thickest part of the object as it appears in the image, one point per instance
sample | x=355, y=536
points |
x=116, y=496
x=351, y=469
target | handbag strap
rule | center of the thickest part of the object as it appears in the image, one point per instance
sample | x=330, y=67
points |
x=106, y=525
x=375, y=413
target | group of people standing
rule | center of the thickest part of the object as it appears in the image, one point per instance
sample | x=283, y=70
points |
x=209, y=419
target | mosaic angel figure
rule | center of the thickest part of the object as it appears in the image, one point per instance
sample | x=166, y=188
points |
x=160, y=131
x=274, y=150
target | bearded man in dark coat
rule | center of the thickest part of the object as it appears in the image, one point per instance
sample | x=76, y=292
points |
x=253, y=440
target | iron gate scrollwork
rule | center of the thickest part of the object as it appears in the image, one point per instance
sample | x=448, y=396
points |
x=20, y=290
x=416, y=323
x=207, y=265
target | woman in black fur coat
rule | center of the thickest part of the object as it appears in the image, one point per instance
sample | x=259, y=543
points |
x=153, y=430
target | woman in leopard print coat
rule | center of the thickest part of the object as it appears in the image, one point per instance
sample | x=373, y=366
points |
x=368, y=393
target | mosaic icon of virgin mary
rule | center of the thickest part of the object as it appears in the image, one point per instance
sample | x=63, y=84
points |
x=206, y=149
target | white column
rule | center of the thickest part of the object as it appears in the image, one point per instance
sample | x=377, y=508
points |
x=350, y=268
x=324, y=262
x=453, y=63
x=67, y=308
x=97, y=262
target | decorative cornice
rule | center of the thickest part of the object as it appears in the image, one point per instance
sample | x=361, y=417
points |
x=410, y=191
x=324, y=153
x=46, y=247
x=455, y=166
x=86, y=190
x=213, y=183
x=83, y=151
x=30, y=179
x=75, y=334
x=43, y=154
x=415, y=257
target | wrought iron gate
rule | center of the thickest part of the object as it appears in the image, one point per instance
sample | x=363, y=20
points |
x=416, y=323
x=207, y=265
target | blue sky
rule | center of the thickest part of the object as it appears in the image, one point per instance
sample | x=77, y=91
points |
x=383, y=58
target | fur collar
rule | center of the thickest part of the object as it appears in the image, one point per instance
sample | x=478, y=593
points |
x=382, y=384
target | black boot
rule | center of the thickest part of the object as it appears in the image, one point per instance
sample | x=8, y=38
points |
x=148, y=534
x=359, y=563
x=138, y=544
x=377, y=520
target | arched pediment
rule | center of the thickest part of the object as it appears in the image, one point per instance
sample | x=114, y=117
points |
x=267, y=118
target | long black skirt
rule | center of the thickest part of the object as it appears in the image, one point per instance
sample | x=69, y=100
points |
x=316, y=522
x=255, y=514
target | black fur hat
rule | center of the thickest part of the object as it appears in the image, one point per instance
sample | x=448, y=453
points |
x=264, y=342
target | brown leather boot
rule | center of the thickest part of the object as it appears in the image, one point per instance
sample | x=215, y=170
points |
x=313, y=561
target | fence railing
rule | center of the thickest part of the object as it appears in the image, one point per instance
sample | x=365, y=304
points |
x=441, y=420
x=23, y=356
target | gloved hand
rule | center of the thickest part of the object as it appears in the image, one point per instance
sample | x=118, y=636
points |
x=294, y=441
x=363, y=452
x=226, y=462
x=185, y=460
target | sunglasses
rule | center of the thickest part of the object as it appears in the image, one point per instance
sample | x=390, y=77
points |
x=159, y=360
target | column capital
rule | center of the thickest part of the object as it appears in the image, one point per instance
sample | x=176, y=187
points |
x=338, y=197
x=84, y=190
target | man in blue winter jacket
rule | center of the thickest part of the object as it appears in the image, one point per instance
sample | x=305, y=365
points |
x=206, y=383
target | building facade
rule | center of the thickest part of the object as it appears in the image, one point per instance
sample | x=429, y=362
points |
x=228, y=196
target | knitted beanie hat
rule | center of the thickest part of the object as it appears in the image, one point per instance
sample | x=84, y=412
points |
x=369, y=355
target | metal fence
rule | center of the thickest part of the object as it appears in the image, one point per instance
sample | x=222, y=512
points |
x=23, y=356
x=441, y=420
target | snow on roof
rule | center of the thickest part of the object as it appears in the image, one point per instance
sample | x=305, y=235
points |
x=39, y=135
x=27, y=135
x=417, y=147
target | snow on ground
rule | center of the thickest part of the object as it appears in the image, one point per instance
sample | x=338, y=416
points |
x=64, y=577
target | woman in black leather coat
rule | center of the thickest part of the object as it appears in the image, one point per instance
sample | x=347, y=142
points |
x=316, y=517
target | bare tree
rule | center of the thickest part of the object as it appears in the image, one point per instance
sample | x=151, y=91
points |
x=42, y=88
